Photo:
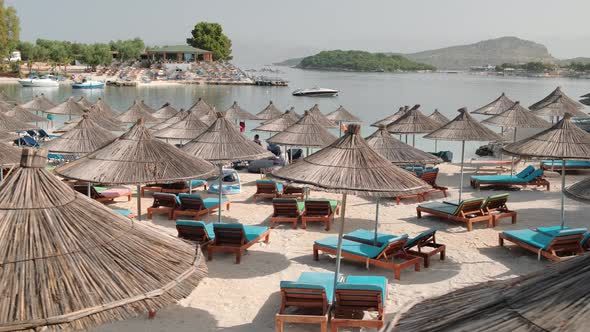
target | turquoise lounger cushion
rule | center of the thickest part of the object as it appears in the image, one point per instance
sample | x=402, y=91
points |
x=357, y=248
x=441, y=207
x=533, y=175
x=278, y=185
x=314, y=280
x=497, y=178
x=551, y=230
x=373, y=283
x=195, y=183
x=568, y=163
x=212, y=202
x=123, y=212
x=251, y=232
x=572, y=231
x=365, y=235
x=333, y=203
x=535, y=239
x=412, y=242
x=195, y=223
x=528, y=170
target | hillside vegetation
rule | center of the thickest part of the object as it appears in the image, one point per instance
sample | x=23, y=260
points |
x=361, y=61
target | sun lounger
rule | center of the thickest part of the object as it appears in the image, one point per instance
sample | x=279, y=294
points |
x=194, y=230
x=321, y=210
x=312, y=292
x=163, y=203
x=126, y=213
x=495, y=206
x=469, y=211
x=293, y=192
x=570, y=165
x=524, y=178
x=430, y=178
x=423, y=240
x=44, y=134
x=268, y=189
x=27, y=141
x=286, y=210
x=194, y=205
x=547, y=244
x=382, y=256
x=173, y=187
x=355, y=296
x=236, y=238
x=104, y=195
x=553, y=230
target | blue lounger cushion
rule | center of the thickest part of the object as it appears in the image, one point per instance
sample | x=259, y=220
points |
x=528, y=236
x=278, y=185
x=323, y=281
x=372, y=283
x=251, y=232
x=554, y=230
x=357, y=248
x=213, y=202
x=195, y=183
x=196, y=223
x=568, y=163
x=365, y=235
x=441, y=207
x=412, y=242
x=526, y=171
x=509, y=178
x=123, y=212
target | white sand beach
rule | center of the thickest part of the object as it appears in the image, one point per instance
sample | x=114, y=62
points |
x=246, y=297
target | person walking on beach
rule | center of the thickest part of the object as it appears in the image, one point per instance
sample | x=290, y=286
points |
x=257, y=139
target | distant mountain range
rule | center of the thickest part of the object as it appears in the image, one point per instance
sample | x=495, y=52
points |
x=493, y=52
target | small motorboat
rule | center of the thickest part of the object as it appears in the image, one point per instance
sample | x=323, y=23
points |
x=315, y=92
x=88, y=84
x=46, y=81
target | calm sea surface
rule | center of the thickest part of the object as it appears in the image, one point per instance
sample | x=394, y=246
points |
x=370, y=96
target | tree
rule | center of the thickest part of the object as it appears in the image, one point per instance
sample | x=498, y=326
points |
x=128, y=49
x=97, y=54
x=210, y=37
x=9, y=29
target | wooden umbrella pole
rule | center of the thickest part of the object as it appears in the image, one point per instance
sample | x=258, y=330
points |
x=512, y=158
x=376, y=220
x=220, y=191
x=138, y=203
x=340, y=234
x=339, y=128
x=413, y=140
x=435, y=146
x=89, y=193
x=562, y=194
x=461, y=180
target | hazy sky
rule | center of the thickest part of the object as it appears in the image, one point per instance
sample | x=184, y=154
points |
x=268, y=30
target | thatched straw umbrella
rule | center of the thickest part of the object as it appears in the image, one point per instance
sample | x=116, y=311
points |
x=292, y=110
x=136, y=112
x=137, y=157
x=165, y=112
x=516, y=117
x=85, y=103
x=167, y=123
x=87, y=136
x=205, y=112
x=398, y=152
x=6, y=98
x=579, y=191
x=39, y=103
x=391, y=118
x=558, y=107
x=185, y=130
x=292, y=115
x=442, y=120
x=236, y=113
x=9, y=157
x=463, y=128
x=105, y=108
x=277, y=125
x=70, y=263
x=270, y=112
x=95, y=114
x=12, y=124
x=223, y=143
x=496, y=107
x=69, y=107
x=563, y=141
x=321, y=118
x=550, y=98
x=413, y=122
x=146, y=107
x=351, y=166
x=22, y=114
x=556, y=298
x=341, y=115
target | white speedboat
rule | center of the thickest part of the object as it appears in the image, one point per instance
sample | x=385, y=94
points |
x=47, y=81
x=88, y=84
x=315, y=92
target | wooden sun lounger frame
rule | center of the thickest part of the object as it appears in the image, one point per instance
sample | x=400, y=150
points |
x=566, y=243
x=158, y=187
x=197, y=213
x=95, y=195
x=234, y=243
x=278, y=216
x=430, y=178
x=266, y=190
x=393, y=250
x=499, y=210
x=169, y=210
x=537, y=182
x=468, y=215
x=303, y=298
x=350, y=304
x=327, y=219
x=194, y=233
x=428, y=242
x=293, y=192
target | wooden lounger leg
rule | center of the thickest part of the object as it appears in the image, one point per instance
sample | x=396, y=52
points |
x=267, y=237
x=279, y=324
x=443, y=254
x=209, y=254
x=316, y=254
x=238, y=256
x=469, y=226
x=426, y=261
x=397, y=271
x=501, y=241
x=327, y=224
x=417, y=266
x=419, y=213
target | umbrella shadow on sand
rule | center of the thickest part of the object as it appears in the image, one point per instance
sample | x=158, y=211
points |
x=264, y=319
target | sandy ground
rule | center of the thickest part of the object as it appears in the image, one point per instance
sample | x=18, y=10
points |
x=246, y=297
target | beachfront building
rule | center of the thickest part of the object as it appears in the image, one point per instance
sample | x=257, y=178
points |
x=178, y=53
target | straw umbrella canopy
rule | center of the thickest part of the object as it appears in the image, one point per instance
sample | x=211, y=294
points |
x=185, y=130
x=496, y=107
x=105, y=108
x=6, y=107
x=137, y=157
x=146, y=107
x=306, y=132
x=167, y=123
x=292, y=115
x=205, y=112
x=564, y=140
x=85, y=103
x=165, y=112
x=398, y=152
x=413, y=122
x=83, y=264
x=23, y=115
x=579, y=191
x=12, y=124
x=87, y=136
x=292, y=110
x=391, y=118
x=69, y=107
x=270, y=112
x=277, y=125
x=223, y=143
x=136, y=112
x=39, y=103
x=95, y=114
x=341, y=115
x=557, y=298
x=321, y=118
x=350, y=166
x=550, y=98
x=463, y=128
x=6, y=98
x=558, y=107
x=9, y=156
x=442, y=120
x=235, y=112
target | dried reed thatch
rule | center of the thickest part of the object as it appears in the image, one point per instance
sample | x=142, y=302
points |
x=6, y=107
x=235, y=112
x=579, y=191
x=146, y=107
x=496, y=107
x=321, y=118
x=386, y=121
x=464, y=128
x=270, y=112
x=293, y=116
x=413, y=122
x=292, y=110
x=167, y=123
x=558, y=107
x=397, y=151
x=564, y=140
x=223, y=143
x=105, y=108
x=555, y=299
x=70, y=263
x=69, y=107
x=439, y=118
x=6, y=98
x=10, y=124
x=137, y=157
x=136, y=112
x=517, y=116
x=305, y=132
x=550, y=98
x=9, y=155
x=341, y=114
x=39, y=103
x=23, y=115
x=277, y=125
x=85, y=103
x=87, y=136
x=95, y=114
x=350, y=166
x=187, y=129
x=165, y=112
x=205, y=112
